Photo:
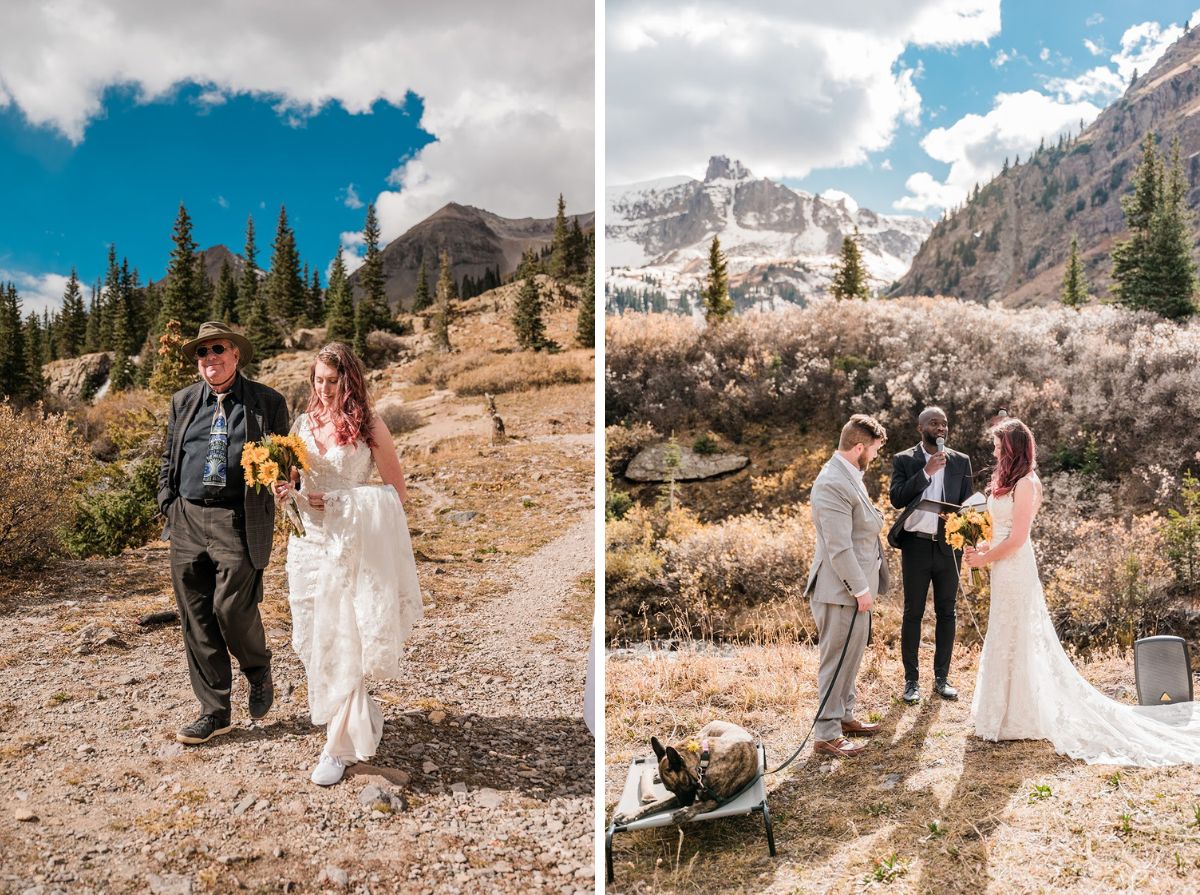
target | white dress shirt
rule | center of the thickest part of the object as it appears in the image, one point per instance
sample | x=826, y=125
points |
x=919, y=520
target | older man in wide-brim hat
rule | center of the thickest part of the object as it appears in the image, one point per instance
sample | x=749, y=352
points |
x=219, y=528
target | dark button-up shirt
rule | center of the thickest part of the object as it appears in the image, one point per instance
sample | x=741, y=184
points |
x=195, y=448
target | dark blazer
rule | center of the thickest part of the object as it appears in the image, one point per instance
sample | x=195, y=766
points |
x=909, y=484
x=266, y=414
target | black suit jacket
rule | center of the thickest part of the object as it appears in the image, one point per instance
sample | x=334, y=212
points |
x=909, y=484
x=266, y=414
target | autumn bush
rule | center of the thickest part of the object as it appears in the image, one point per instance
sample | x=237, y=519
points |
x=1104, y=390
x=41, y=456
x=525, y=370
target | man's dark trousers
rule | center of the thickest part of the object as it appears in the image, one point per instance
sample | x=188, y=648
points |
x=924, y=562
x=217, y=589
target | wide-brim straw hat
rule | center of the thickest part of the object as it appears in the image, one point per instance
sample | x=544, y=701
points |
x=214, y=329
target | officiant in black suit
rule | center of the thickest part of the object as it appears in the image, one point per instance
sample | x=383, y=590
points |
x=928, y=472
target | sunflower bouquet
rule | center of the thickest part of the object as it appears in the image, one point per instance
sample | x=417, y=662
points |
x=969, y=528
x=272, y=460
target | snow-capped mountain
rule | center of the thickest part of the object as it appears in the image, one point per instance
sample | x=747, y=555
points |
x=779, y=242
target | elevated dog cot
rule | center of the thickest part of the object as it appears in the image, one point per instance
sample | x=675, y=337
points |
x=752, y=800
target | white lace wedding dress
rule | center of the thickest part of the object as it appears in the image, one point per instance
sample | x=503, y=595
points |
x=1027, y=688
x=352, y=585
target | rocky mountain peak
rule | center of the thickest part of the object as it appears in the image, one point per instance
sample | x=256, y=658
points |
x=721, y=168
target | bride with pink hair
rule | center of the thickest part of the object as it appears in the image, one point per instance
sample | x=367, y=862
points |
x=352, y=579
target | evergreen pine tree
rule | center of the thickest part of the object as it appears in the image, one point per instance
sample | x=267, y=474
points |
x=441, y=317
x=225, y=302
x=248, y=283
x=14, y=363
x=560, y=249
x=585, y=323
x=109, y=299
x=717, y=303
x=421, y=298
x=315, y=313
x=72, y=323
x=576, y=250
x=372, y=312
x=285, y=290
x=91, y=332
x=35, y=358
x=1074, y=285
x=1153, y=269
x=182, y=299
x=339, y=309
x=1172, y=279
x=208, y=292
x=49, y=336
x=527, y=318
x=850, y=278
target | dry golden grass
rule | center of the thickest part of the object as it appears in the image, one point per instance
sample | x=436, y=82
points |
x=525, y=370
x=946, y=812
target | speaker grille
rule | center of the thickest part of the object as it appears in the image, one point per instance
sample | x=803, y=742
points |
x=1163, y=670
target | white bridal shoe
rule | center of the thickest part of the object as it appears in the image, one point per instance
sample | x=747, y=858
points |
x=329, y=770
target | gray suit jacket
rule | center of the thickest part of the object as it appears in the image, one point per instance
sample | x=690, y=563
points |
x=849, y=557
x=266, y=413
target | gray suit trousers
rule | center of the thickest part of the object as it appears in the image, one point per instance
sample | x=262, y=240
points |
x=218, y=591
x=833, y=623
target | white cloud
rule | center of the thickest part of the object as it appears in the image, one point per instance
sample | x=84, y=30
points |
x=885, y=165
x=350, y=198
x=786, y=87
x=1094, y=19
x=37, y=291
x=1044, y=55
x=507, y=88
x=1141, y=46
x=1002, y=57
x=975, y=146
x=222, y=201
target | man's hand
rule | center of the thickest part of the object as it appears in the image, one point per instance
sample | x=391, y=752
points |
x=936, y=464
x=865, y=601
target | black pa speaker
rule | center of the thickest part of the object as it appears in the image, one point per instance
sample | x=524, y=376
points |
x=1163, y=670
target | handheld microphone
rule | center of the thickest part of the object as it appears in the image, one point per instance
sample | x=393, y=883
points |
x=941, y=444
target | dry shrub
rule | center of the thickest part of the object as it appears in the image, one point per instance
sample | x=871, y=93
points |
x=1114, y=585
x=40, y=459
x=526, y=370
x=438, y=369
x=398, y=416
x=117, y=413
x=1108, y=381
x=622, y=443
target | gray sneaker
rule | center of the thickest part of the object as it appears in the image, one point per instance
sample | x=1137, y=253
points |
x=203, y=729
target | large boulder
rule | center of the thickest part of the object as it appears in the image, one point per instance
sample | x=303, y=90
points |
x=650, y=465
x=75, y=378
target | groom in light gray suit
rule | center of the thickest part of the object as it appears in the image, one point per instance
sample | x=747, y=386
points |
x=848, y=572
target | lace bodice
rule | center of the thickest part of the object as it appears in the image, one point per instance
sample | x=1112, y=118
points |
x=342, y=466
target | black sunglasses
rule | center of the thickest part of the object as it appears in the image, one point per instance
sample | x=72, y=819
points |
x=217, y=349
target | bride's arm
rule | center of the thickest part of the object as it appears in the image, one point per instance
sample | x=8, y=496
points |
x=387, y=461
x=1024, y=496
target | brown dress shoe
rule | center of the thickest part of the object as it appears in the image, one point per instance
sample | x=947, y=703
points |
x=857, y=728
x=841, y=747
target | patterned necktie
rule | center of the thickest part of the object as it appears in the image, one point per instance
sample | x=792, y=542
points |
x=218, y=447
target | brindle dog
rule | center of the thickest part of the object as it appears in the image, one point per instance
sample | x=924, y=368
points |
x=732, y=765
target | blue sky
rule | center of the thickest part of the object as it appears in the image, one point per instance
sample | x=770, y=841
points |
x=114, y=111
x=903, y=106
x=123, y=183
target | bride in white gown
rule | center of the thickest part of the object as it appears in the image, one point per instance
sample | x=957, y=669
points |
x=1027, y=688
x=352, y=579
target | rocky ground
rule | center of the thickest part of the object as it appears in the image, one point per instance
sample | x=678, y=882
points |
x=484, y=780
